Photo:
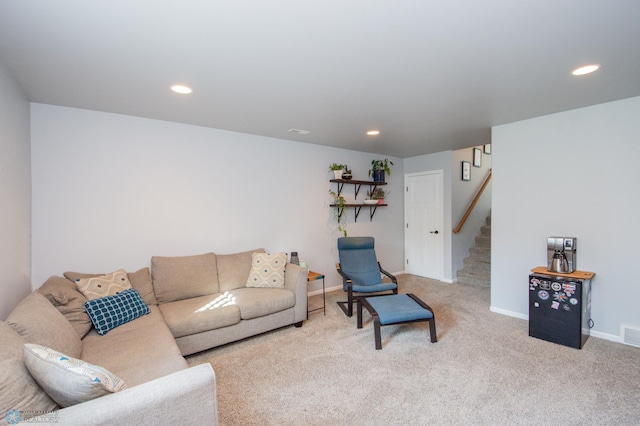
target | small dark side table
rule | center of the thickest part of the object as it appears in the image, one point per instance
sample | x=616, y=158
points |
x=314, y=276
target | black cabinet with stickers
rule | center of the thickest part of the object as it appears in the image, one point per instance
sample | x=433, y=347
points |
x=560, y=307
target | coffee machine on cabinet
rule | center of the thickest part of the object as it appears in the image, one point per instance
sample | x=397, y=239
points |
x=561, y=254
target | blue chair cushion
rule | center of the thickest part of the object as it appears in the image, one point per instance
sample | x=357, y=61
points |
x=397, y=308
x=358, y=260
x=373, y=288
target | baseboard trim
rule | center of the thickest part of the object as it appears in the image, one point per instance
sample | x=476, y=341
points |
x=508, y=313
x=607, y=336
x=444, y=280
x=327, y=290
x=598, y=334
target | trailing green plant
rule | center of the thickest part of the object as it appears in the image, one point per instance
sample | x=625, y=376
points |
x=336, y=166
x=339, y=211
x=381, y=165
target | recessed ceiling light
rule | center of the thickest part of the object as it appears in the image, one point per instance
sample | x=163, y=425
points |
x=586, y=69
x=373, y=132
x=179, y=88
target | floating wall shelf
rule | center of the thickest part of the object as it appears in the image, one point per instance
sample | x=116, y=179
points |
x=357, y=206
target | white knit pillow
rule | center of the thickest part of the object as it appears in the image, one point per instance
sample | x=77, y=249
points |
x=68, y=381
x=104, y=285
x=267, y=270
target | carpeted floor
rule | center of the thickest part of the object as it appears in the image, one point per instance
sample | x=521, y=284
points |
x=484, y=370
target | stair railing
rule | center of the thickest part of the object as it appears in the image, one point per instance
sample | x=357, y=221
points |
x=473, y=204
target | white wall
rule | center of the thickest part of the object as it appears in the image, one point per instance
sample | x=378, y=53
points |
x=462, y=194
x=570, y=174
x=15, y=194
x=110, y=191
x=438, y=161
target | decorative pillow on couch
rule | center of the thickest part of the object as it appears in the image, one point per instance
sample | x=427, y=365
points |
x=104, y=285
x=109, y=312
x=234, y=269
x=69, y=381
x=267, y=270
x=140, y=280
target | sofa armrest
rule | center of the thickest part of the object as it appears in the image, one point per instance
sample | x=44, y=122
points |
x=185, y=397
x=295, y=279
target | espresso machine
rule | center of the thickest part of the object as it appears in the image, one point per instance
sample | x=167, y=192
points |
x=561, y=254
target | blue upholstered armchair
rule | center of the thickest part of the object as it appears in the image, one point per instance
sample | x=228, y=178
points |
x=361, y=271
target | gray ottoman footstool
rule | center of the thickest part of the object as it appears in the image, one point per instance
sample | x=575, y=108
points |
x=397, y=309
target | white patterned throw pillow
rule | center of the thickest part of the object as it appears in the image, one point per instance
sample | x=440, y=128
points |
x=267, y=270
x=104, y=285
x=69, y=381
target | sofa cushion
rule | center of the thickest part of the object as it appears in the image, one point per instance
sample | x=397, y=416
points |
x=128, y=350
x=110, y=312
x=67, y=380
x=200, y=314
x=38, y=321
x=258, y=302
x=140, y=280
x=104, y=285
x=183, y=277
x=233, y=269
x=267, y=270
x=66, y=298
x=18, y=390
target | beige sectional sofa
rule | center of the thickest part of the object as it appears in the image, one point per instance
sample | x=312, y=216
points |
x=194, y=303
x=201, y=319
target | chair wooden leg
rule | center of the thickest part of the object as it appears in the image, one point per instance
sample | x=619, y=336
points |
x=359, y=314
x=343, y=306
x=347, y=307
x=432, y=329
x=376, y=330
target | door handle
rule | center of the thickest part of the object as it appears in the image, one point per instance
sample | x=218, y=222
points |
x=433, y=232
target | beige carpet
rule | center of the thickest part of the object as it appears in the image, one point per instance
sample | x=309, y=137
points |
x=484, y=370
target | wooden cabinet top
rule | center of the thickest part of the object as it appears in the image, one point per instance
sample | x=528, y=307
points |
x=582, y=275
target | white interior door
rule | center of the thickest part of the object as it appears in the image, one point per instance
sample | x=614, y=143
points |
x=423, y=234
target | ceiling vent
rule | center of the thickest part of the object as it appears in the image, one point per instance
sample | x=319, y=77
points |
x=299, y=131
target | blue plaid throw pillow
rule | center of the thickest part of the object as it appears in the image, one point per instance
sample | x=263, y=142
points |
x=109, y=312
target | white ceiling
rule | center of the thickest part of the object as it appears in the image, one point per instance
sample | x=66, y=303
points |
x=430, y=75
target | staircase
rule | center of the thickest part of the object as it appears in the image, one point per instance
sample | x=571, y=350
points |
x=477, y=267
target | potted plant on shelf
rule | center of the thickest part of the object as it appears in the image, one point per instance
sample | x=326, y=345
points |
x=378, y=194
x=339, y=206
x=337, y=169
x=379, y=168
x=347, y=173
